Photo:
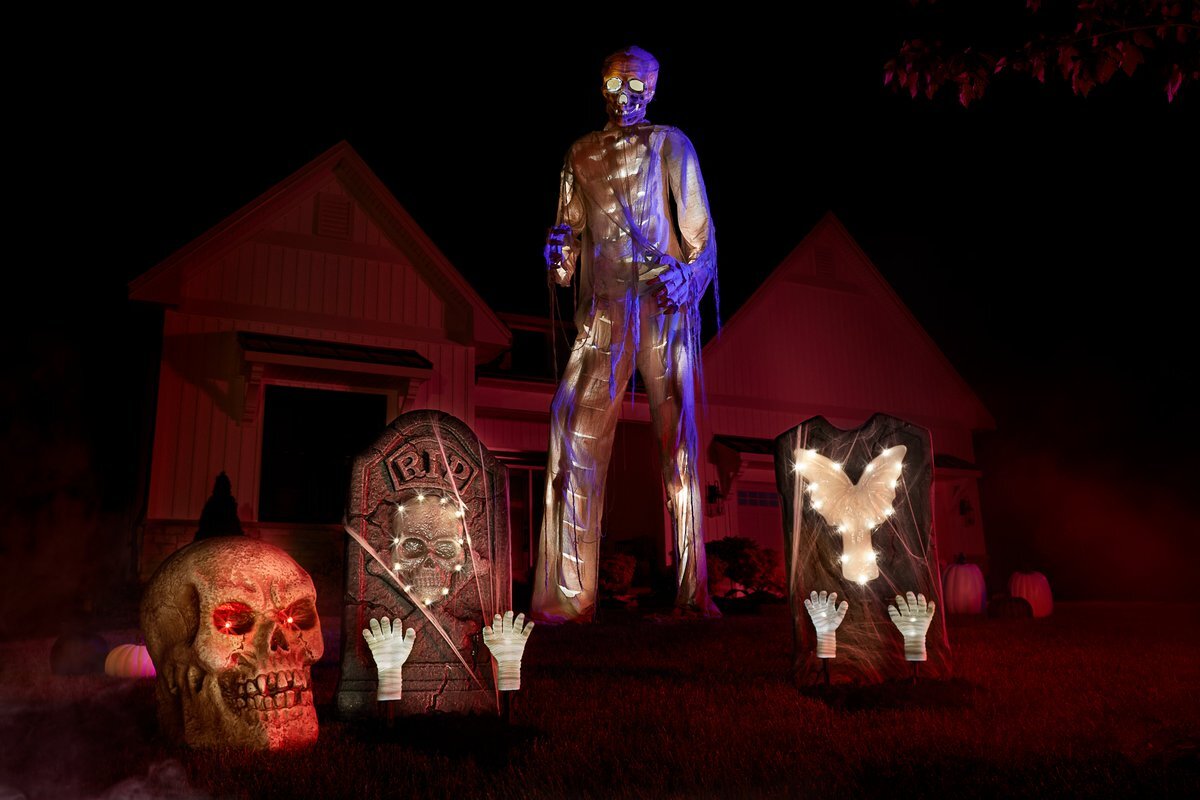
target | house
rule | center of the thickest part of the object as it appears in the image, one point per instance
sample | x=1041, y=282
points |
x=299, y=326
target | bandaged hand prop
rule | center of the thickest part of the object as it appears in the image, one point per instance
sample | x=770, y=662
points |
x=912, y=616
x=390, y=646
x=506, y=638
x=558, y=255
x=672, y=287
x=826, y=615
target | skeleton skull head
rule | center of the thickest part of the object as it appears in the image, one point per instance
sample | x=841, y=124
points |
x=629, y=77
x=428, y=545
x=231, y=625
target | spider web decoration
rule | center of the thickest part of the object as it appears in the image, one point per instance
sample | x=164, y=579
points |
x=890, y=552
x=428, y=476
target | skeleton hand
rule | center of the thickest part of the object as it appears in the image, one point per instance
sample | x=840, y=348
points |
x=390, y=650
x=506, y=639
x=826, y=615
x=912, y=617
x=555, y=255
x=672, y=287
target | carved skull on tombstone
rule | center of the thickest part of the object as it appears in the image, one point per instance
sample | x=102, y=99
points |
x=231, y=625
x=428, y=545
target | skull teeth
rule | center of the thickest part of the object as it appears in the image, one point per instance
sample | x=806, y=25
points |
x=285, y=706
x=272, y=683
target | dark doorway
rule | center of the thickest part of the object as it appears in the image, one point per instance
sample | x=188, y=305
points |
x=310, y=439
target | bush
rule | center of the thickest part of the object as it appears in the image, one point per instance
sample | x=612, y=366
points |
x=744, y=564
x=616, y=574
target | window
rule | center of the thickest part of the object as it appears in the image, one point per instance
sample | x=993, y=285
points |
x=310, y=439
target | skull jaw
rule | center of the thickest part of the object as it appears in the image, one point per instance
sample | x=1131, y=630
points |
x=431, y=584
x=211, y=719
x=627, y=114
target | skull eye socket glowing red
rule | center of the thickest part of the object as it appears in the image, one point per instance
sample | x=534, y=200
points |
x=235, y=619
x=301, y=614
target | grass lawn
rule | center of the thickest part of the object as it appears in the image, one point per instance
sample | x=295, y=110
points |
x=1097, y=700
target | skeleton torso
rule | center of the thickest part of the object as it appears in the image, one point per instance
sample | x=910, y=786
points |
x=620, y=193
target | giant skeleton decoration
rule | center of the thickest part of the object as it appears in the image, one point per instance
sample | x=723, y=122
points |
x=232, y=628
x=634, y=232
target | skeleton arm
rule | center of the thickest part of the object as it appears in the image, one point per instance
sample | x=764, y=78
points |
x=562, y=241
x=687, y=281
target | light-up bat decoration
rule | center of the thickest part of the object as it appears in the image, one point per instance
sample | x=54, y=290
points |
x=853, y=509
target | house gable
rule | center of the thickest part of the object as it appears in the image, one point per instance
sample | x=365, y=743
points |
x=839, y=338
x=329, y=248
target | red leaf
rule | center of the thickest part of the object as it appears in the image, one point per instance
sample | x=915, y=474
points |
x=1082, y=82
x=1037, y=65
x=1110, y=61
x=1174, y=82
x=887, y=77
x=1131, y=56
x=1001, y=64
x=1143, y=38
x=1066, y=60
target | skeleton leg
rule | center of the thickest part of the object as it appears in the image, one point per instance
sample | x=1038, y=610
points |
x=583, y=420
x=666, y=360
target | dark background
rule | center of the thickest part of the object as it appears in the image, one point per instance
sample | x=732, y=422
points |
x=1045, y=241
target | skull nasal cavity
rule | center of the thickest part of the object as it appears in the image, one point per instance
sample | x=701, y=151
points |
x=278, y=640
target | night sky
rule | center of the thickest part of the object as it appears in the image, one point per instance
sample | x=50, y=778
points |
x=1044, y=240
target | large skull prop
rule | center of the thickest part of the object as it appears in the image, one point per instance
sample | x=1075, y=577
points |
x=428, y=545
x=629, y=78
x=231, y=625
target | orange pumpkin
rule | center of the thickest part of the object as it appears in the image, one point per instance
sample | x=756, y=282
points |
x=129, y=661
x=1035, y=588
x=964, y=591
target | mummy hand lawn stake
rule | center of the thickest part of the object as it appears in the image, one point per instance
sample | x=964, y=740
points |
x=231, y=626
x=506, y=638
x=634, y=228
x=912, y=616
x=390, y=647
x=826, y=615
x=858, y=521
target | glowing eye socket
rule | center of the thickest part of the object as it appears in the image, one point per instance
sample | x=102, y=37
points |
x=636, y=86
x=613, y=84
x=235, y=619
x=302, y=614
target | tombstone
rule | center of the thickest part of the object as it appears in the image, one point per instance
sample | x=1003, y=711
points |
x=428, y=545
x=868, y=560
